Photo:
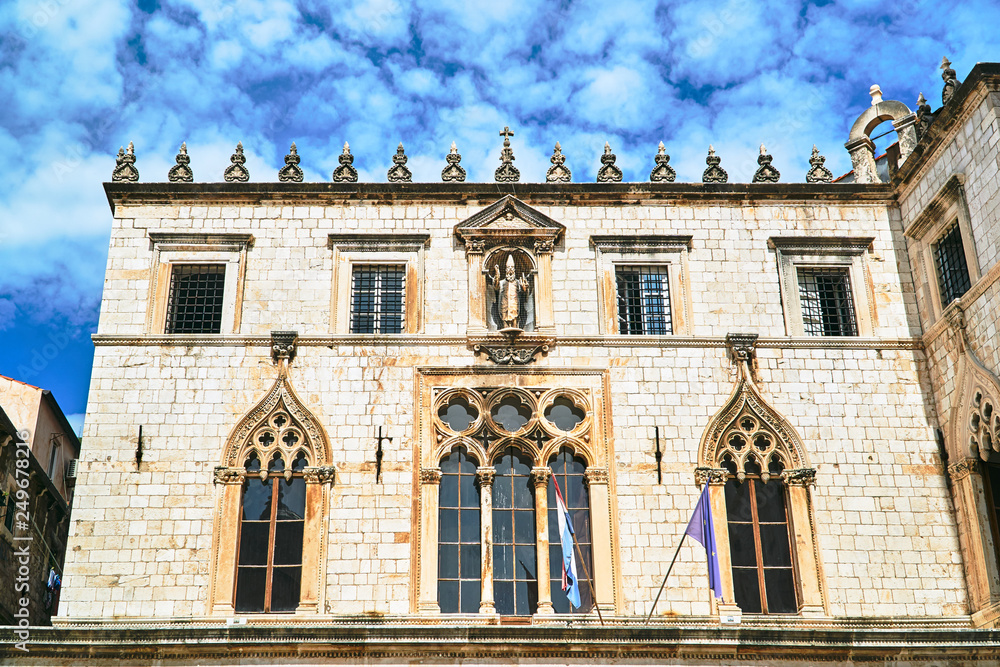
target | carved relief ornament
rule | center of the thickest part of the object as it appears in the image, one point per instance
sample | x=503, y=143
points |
x=974, y=422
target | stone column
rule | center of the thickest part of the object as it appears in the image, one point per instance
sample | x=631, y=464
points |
x=540, y=477
x=801, y=523
x=474, y=249
x=430, y=484
x=544, y=316
x=229, y=530
x=484, y=478
x=314, y=537
x=602, y=569
x=976, y=539
x=862, y=152
x=906, y=130
x=716, y=480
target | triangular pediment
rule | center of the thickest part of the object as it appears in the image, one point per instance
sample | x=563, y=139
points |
x=507, y=216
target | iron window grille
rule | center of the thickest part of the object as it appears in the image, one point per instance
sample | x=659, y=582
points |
x=196, y=296
x=953, y=271
x=827, y=302
x=643, y=300
x=377, y=304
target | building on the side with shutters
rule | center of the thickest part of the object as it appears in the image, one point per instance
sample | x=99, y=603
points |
x=335, y=422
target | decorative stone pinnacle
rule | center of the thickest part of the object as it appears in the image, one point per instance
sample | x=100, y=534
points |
x=609, y=172
x=921, y=100
x=945, y=63
x=662, y=172
x=345, y=173
x=454, y=171
x=398, y=173
x=876, y=94
x=817, y=172
x=765, y=172
x=181, y=172
x=291, y=172
x=924, y=116
x=236, y=172
x=558, y=172
x=125, y=170
x=714, y=173
x=506, y=172
x=951, y=82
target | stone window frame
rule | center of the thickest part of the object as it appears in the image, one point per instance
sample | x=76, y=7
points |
x=174, y=248
x=377, y=249
x=643, y=250
x=851, y=253
x=947, y=206
x=590, y=440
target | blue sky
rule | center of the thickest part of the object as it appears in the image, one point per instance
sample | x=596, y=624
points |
x=79, y=78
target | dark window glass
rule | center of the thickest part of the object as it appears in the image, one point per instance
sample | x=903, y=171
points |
x=953, y=272
x=567, y=471
x=564, y=414
x=195, y=301
x=515, y=584
x=459, y=536
x=377, y=299
x=643, y=300
x=759, y=546
x=511, y=413
x=827, y=302
x=991, y=475
x=269, y=565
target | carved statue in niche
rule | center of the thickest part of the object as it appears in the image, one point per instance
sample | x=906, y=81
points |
x=509, y=293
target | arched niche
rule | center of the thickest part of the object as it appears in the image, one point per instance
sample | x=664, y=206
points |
x=862, y=148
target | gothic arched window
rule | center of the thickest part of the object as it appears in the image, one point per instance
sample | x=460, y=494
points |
x=568, y=471
x=515, y=571
x=459, y=535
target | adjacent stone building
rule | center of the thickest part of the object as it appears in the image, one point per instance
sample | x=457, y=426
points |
x=330, y=422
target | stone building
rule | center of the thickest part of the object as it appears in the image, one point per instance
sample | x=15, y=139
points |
x=38, y=453
x=328, y=421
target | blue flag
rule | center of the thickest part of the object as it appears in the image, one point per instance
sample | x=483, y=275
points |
x=570, y=583
x=701, y=528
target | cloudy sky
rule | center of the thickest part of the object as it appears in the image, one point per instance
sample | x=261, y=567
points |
x=79, y=78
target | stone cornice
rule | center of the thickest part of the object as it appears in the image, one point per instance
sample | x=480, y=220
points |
x=964, y=303
x=483, y=194
x=201, y=241
x=453, y=637
x=942, y=200
x=821, y=245
x=640, y=243
x=378, y=242
x=616, y=341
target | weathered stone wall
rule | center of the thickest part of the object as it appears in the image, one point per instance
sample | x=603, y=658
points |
x=142, y=540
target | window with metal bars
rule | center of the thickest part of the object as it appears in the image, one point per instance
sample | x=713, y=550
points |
x=953, y=271
x=377, y=298
x=827, y=302
x=195, y=301
x=643, y=300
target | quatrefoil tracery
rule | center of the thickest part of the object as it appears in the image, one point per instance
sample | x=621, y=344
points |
x=281, y=442
x=984, y=424
x=748, y=444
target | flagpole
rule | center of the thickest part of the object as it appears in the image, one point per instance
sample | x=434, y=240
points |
x=586, y=570
x=673, y=560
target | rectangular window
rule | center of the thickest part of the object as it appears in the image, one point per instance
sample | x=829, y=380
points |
x=643, y=300
x=827, y=302
x=196, y=297
x=952, y=269
x=377, y=303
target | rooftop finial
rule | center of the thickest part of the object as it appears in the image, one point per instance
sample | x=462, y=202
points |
x=558, y=172
x=506, y=172
x=236, y=172
x=951, y=82
x=454, y=172
x=765, y=172
x=876, y=94
x=398, y=173
x=714, y=173
x=345, y=173
x=662, y=172
x=924, y=116
x=125, y=170
x=181, y=172
x=818, y=173
x=291, y=172
x=609, y=172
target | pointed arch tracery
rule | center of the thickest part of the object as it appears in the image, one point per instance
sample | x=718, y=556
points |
x=975, y=423
x=278, y=426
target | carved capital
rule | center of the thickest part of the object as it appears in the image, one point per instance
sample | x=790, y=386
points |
x=540, y=477
x=484, y=477
x=430, y=475
x=799, y=477
x=596, y=476
x=475, y=246
x=283, y=345
x=712, y=476
x=956, y=317
x=742, y=346
x=544, y=246
x=962, y=469
x=319, y=474
x=224, y=475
